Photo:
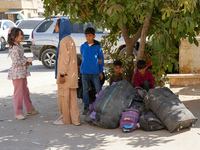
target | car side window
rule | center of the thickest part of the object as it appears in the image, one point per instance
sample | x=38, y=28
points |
x=89, y=24
x=5, y=25
x=77, y=27
x=80, y=27
x=44, y=26
x=10, y=24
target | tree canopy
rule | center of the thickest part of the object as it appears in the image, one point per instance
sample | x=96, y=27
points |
x=165, y=22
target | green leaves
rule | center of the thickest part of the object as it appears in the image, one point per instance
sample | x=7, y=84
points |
x=167, y=26
x=181, y=27
x=166, y=13
x=114, y=8
x=116, y=15
x=196, y=42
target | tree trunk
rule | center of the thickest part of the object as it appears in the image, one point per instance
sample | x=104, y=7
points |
x=140, y=55
x=130, y=42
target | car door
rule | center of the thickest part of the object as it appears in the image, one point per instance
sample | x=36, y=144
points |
x=6, y=26
x=44, y=33
x=77, y=34
x=54, y=35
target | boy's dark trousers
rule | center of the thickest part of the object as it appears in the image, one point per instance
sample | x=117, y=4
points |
x=86, y=79
x=92, y=90
x=146, y=85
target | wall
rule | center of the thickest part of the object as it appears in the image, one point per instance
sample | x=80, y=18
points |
x=189, y=57
x=29, y=4
x=10, y=4
x=29, y=7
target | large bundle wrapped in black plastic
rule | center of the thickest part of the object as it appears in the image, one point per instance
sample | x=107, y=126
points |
x=111, y=103
x=169, y=109
x=150, y=122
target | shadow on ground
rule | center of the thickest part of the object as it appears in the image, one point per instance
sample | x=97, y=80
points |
x=38, y=132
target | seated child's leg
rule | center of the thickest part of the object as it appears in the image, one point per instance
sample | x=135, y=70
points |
x=86, y=83
x=103, y=80
x=146, y=85
x=96, y=82
x=80, y=89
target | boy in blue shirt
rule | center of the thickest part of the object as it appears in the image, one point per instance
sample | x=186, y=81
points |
x=91, y=66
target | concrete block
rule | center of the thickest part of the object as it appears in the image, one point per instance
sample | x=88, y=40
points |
x=184, y=79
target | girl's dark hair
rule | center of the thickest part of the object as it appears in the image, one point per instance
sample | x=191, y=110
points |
x=13, y=34
x=58, y=23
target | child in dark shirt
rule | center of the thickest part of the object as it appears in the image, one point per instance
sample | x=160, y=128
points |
x=118, y=75
x=143, y=78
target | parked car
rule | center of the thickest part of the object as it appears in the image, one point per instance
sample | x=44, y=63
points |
x=4, y=28
x=45, y=39
x=27, y=26
x=17, y=22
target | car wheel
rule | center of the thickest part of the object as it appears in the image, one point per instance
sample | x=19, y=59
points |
x=120, y=48
x=49, y=58
x=123, y=52
x=2, y=44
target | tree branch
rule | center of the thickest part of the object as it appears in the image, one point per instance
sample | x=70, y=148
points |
x=127, y=39
x=82, y=3
x=125, y=33
x=173, y=4
x=130, y=42
x=143, y=36
x=101, y=6
x=136, y=36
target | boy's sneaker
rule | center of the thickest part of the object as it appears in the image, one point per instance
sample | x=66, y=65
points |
x=32, y=112
x=85, y=110
x=20, y=117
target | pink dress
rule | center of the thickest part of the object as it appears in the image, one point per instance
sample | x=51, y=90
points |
x=19, y=68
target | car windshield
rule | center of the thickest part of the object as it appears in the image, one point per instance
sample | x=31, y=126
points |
x=28, y=24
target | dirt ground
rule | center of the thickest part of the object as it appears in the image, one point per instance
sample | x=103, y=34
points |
x=38, y=133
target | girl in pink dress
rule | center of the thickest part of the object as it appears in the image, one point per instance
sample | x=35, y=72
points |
x=18, y=73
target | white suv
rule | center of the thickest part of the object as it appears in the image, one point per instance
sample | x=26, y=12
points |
x=45, y=40
x=4, y=28
x=27, y=26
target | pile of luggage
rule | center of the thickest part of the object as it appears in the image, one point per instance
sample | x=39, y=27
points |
x=121, y=104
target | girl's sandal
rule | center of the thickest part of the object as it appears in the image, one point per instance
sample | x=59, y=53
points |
x=32, y=112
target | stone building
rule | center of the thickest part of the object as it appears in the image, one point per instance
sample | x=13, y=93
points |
x=19, y=9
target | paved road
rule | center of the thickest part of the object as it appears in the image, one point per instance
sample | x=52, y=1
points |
x=38, y=132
